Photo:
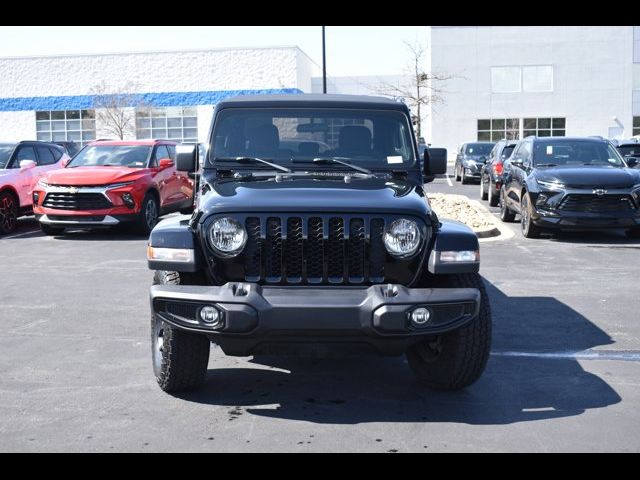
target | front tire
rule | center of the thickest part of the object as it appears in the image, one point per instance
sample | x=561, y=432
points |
x=529, y=230
x=506, y=214
x=51, y=230
x=180, y=358
x=456, y=359
x=463, y=177
x=457, y=173
x=148, y=216
x=483, y=192
x=8, y=212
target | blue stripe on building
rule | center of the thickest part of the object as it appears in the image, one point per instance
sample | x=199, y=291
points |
x=163, y=99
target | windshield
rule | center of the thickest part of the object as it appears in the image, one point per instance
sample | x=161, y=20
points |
x=293, y=137
x=133, y=156
x=630, y=150
x=5, y=154
x=479, y=148
x=576, y=153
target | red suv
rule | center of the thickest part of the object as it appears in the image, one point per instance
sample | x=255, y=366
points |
x=113, y=182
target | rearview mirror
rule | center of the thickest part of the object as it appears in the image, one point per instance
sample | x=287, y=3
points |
x=27, y=164
x=186, y=158
x=631, y=161
x=165, y=163
x=435, y=161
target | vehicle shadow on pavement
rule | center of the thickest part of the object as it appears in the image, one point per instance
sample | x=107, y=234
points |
x=99, y=235
x=355, y=390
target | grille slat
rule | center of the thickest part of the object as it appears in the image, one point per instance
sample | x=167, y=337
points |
x=76, y=201
x=314, y=250
x=587, y=203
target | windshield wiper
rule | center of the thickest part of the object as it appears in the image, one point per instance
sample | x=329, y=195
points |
x=546, y=164
x=254, y=160
x=338, y=160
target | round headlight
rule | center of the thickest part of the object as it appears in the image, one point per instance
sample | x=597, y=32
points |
x=227, y=236
x=402, y=238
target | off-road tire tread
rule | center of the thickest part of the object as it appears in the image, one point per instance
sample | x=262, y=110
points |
x=468, y=347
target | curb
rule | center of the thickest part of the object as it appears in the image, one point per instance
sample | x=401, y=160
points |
x=496, y=231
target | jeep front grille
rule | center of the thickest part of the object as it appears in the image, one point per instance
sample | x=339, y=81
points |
x=314, y=249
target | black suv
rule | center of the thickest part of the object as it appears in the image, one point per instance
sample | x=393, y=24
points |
x=470, y=159
x=312, y=230
x=570, y=183
x=491, y=172
x=630, y=151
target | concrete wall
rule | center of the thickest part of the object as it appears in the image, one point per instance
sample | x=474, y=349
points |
x=199, y=78
x=592, y=70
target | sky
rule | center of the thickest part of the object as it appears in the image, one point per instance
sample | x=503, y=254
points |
x=358, y=50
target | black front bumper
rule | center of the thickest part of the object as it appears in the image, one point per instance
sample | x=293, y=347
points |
x=556, y=219
x=257, y=317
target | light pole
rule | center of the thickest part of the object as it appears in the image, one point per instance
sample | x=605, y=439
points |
x=324, y=65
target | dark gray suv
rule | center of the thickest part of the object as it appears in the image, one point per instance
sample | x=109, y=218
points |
x=470, y=159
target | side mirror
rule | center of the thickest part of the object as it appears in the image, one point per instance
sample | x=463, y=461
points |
x=632, y=161
x=186, y=158
x=517, y=162
x=65, y=162
x=165, y=163
x=435, y=161
x=27, y=164
x=483, y=159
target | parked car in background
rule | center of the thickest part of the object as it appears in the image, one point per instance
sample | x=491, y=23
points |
x=470, y=159
x=569, y=183
x=491, y=171
x=422, y=146
x=21, y=165
x=113, y=182
x=71, y=148
x=630, y=151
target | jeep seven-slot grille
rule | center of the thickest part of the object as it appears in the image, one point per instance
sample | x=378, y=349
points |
x=314, y=250
x=588, y=203
x=76, y=201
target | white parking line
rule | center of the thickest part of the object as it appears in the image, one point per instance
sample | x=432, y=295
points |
x=448, y=180
x=20, y=234
x=633, y=356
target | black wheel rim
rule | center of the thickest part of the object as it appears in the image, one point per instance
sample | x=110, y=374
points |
x=151, y=213
x=430, y=350
x=8, y=215
x=524, y=215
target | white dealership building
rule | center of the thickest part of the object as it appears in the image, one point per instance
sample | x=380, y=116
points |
x=503, y=82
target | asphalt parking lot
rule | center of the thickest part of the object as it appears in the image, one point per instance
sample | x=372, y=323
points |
x=564, y=374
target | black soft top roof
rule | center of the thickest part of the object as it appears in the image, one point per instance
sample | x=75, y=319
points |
x=313, y=100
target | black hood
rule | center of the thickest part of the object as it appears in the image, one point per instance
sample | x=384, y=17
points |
x=590, y=176
x=362, y=195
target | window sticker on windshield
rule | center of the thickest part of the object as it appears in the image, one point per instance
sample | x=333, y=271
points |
x=613, y=160
x=394, y=159
x=549, y=149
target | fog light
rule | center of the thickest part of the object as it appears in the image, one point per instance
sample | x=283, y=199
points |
x=211, y=316
x=542, y=199
x=420, y=316
x=127, y=198
x=36, y=197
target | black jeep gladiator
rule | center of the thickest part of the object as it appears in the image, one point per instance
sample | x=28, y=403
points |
x=312, y=229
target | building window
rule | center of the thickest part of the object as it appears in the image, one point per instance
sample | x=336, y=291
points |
x=537, y=78
x=173, y=123
x=492, y=130
x=505, y=79
x=544, y=127
x=527, y=78
x=636, y=126
x=66, y=125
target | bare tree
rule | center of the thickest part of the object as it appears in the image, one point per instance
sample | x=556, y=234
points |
x=422, y=89
x=115, y=108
